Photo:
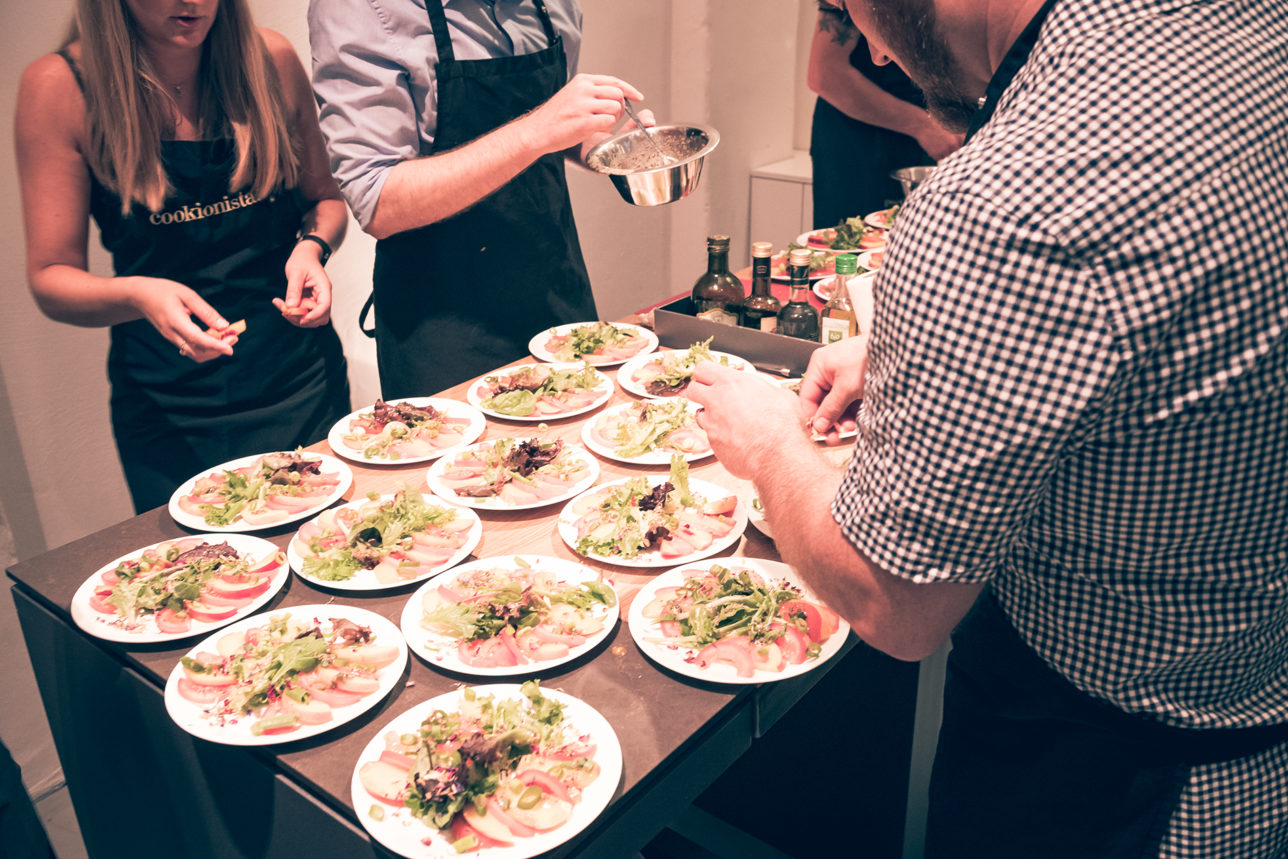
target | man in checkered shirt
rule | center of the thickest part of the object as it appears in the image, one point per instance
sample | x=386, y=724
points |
x=1075, y=420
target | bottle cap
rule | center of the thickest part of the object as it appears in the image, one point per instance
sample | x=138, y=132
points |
x=762, y=249
x=717, y=243
x=800, y=256
x=847, y=264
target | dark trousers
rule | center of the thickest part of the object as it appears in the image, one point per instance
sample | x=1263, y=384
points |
x=1030, y=766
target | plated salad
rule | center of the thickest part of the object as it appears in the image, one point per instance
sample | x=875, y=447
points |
x=597, y=343
x=541, y=391
x=519, y=769
x=848, y=236
x=383, y=541
x=411, y=430
x=643, y=522
x=511, y=473
x=726, y=621
x=667, y=374
x=177, y=588
x=882, y=219
x=294, y=674
x=511, y=615
x=260, y=491
x=647, y=432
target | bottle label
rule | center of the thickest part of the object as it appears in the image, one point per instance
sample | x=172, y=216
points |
x=834, y=329
x=769, y=323
x=719, y=315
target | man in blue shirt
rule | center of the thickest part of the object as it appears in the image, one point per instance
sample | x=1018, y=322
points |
x=447, y=123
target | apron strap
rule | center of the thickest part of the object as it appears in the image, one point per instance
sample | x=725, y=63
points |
x=364, y=313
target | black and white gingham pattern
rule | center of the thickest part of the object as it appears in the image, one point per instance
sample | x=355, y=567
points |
x=1078, y=386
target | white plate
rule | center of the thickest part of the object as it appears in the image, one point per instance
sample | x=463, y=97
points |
x=603, y=393
x=330, y=465
x=781, y=275
x=539, y=351
x=102, y=626
x=829, y=233
x=434, y=477
x=646, y=633
x=591, y=438
x=444, y=406
x=402, y=832
x=754, y=516
x=189, y=716
x=440, y=650
x=627, y=371
x=652, y=557
x=365, y=580
x=871, y=260
x=879, y=219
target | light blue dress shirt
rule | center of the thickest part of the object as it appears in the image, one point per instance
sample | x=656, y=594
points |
x=373, y=75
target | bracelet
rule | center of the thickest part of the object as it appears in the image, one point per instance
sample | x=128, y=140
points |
x=326, y=249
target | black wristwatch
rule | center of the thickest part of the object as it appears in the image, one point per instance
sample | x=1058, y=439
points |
x=326, y=249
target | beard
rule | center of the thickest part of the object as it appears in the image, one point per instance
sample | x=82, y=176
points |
x=908, y=27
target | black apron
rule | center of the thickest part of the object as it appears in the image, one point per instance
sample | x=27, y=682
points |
x=283, y=387
x=853, y=160
x=458, y=298
x=1029, y=765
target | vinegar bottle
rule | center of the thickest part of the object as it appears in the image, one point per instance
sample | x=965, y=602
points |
x=760, y=309
x=798, y=318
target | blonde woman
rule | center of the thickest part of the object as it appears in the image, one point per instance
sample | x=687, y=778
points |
x=191, y=139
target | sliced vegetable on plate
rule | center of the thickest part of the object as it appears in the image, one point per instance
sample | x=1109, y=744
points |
x=734, y=620
x=647, y=432
x=503, y=770
x=667, y=374
x=296, y=673
x=262, y=491
x=384, y=541
x=653, y=522
x=882, y=219
x=179, y=588
x=599, y=344
x=509, y=615
x=538, y=392
x=406, y=431
x=513, y=474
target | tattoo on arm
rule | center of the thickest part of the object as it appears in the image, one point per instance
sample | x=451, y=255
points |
x=836, y=21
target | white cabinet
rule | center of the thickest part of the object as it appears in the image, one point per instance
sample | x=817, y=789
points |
x=782, y=205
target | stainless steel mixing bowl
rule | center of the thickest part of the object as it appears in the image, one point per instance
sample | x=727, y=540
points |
x=633, y=165
x=911, y=177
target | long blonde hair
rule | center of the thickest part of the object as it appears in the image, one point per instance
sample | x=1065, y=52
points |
x=129, y=109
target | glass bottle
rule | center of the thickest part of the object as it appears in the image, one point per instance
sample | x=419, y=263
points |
x=798, y=318
x=717, y=295
x=760, y=309
x=838, y=319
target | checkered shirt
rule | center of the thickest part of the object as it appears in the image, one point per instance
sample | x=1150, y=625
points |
x=1078, y=379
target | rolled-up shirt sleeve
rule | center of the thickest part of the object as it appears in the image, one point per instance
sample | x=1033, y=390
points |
x=369, y=99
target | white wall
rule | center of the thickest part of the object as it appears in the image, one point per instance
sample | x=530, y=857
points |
x=732, y=64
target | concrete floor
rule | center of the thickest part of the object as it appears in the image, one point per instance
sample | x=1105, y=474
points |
x=59, y=820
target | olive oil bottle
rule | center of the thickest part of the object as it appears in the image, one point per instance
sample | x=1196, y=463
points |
x=717, y=294
x=838, y=317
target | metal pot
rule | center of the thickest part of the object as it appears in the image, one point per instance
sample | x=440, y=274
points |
x=632, y=163
x=911, y=177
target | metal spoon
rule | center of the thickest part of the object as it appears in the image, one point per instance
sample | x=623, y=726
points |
x=648, y=133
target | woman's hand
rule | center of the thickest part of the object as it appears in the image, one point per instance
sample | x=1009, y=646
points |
x=308, y=289
x=170, y=307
